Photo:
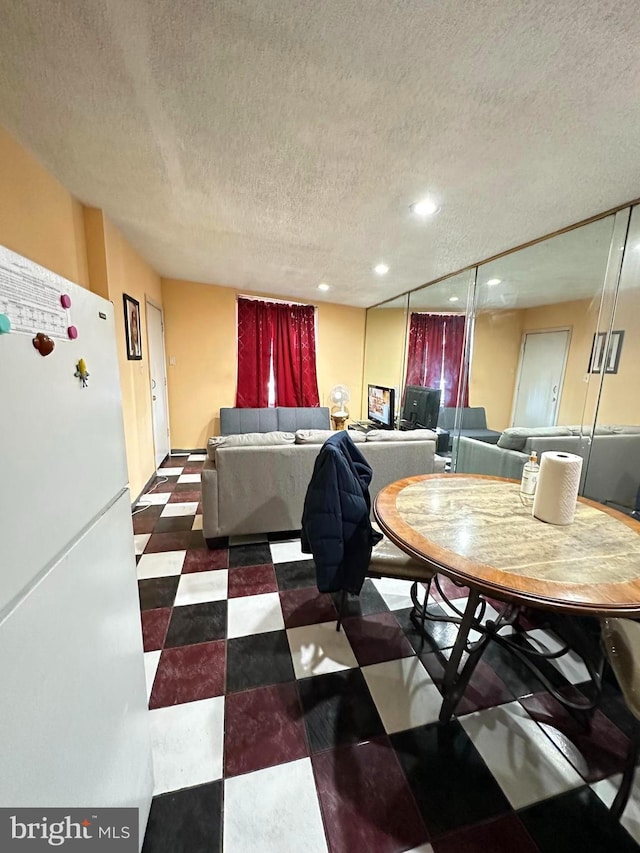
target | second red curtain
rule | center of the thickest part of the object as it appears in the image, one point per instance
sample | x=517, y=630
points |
x=453, y=363
x=294, y=355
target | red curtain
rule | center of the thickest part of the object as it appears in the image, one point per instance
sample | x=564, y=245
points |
x=294, y=356
x=255, y=335
x=453, y=362
x=286, y=334
x=424, y=358
x=436, y=346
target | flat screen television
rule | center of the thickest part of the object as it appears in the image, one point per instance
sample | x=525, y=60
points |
x=381, y=406
x=421, y=407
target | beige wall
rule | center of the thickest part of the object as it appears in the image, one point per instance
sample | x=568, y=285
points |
x=38, y=217
x=126, y=272
x=620, y=397
x=340, y=348
x=200, y=337
x=41, y=220
x=494, y=365
x=496, y=357
x=200, y=334
x=384, y=350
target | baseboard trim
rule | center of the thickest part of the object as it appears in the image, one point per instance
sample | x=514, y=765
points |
x=144, y=489
x=172, y=452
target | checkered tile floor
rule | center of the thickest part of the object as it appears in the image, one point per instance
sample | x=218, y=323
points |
x=273, y=733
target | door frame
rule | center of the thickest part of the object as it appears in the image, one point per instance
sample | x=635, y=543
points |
x=516, y=387
x=155, y=305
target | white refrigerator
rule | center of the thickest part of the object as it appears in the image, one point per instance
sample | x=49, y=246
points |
x=73, y=705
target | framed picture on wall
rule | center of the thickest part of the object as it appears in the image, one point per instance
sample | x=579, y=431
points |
x=608, y=362
x=132, y=327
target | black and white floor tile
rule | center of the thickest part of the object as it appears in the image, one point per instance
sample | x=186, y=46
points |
x=273, y=732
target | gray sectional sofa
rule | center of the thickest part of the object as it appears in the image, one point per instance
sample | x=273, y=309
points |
x=610, y=475
x=236, y=421
x=259, y=488
x=474, y=424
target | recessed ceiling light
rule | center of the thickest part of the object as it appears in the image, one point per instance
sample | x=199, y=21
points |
x=494, y=281
x=324, y=286
x=453, y=299
x=426, y=207
x=381, y=269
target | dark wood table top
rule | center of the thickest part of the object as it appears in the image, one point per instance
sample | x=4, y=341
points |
x=475, y=530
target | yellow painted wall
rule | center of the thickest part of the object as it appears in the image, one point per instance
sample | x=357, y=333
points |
x=620, y=398
x=94, y=225
x=200, y=334
x=340, y=352
x=128, y=273
x=384, y=350
x=494, y=364
x=41, y=220
x=497, y=351
x=38, y=217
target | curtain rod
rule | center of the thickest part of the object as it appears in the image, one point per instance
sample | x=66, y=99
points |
x=270, y=299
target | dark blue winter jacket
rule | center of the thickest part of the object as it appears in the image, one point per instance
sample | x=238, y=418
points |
x=336, y=527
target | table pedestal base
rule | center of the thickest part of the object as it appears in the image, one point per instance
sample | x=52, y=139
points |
x=457, y=677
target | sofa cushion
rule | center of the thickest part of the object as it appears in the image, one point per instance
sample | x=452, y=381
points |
x=292, y=418
x=319, y=436
x=514, y=438
x=491, y=436
x=248, y=439
x=235, y=421
x=473, y=417
x=401, y=435
x=604, y=429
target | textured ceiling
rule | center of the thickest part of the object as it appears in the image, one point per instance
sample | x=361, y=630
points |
x=269, y=145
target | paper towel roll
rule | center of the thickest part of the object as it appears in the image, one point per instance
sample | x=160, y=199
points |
x=558, y=484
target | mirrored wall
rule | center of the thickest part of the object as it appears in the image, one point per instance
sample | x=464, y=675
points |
x=385, y=350
x=535, y=350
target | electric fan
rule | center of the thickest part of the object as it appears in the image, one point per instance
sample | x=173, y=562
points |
x=339, y=396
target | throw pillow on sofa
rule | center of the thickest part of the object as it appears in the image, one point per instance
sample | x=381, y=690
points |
x=319, y=436
x=248, y=439
x=515, y=438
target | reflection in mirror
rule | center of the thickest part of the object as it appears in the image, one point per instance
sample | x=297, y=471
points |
x=435, y=377
x=385, y=346
x=536, y=313
x=613, y=475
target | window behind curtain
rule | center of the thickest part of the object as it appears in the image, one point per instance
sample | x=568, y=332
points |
x=276, y=340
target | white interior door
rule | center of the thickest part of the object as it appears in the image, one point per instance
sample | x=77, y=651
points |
x=158, y=374
x=542, y=365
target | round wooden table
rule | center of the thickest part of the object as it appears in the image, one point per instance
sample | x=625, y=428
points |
x=475, y=530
